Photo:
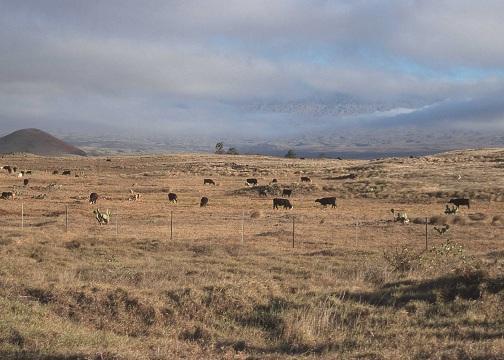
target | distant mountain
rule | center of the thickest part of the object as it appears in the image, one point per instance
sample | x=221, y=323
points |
x=36, y=142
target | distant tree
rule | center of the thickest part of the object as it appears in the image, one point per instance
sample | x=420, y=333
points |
x=291, y=154
x=219, y=148
x=232, y=151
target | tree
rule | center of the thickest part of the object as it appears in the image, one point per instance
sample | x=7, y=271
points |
x=291, y=154
x=232, y=151
x=219, y=148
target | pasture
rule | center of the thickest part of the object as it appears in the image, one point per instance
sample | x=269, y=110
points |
x=228, y=282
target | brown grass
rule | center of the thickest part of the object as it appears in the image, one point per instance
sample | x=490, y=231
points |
x=341, y=292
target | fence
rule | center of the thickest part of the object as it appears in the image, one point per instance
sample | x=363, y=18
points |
x=321, y=229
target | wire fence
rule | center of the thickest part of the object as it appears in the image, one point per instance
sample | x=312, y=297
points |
x=323, y=229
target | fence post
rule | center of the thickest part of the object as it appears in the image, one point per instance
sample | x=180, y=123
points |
x=171, y=225
x=22, y=215
x=293, y=231
x=426, y=234
x=356, y=229
x=242, y=225
x=66, y=218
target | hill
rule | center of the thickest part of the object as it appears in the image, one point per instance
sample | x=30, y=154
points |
x=36, y=142
x=228, y=283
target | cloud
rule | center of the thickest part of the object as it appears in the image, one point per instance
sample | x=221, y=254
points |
x=191, y=65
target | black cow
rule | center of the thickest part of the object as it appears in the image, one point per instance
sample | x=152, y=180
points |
x=8, y=168
x=327, y=201
x=274, y=181
x=251, y=182
x=282, y=202
x=25, y=182
x=93, y=198
x=459, y=201
x=208, y=181
x=14, y=169
x=28, y=172
x=305, y=179
x=172, y=197
x=263, y=192
x=204, y=201
x=287, y=192
x=66, y=172
x=55, y=172
x=6, y=195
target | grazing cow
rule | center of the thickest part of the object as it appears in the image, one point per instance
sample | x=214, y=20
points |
x=28, y=172
x=172, y=197
x=66, y=172
x=282, y=202
x=25, y=182
x=263, y=192
x=208, y=181
x=133, y=196
x=305, y=179
x=274, y=181
x=459, y=201
x=287, y=192
x=251, y=182
x=327, y=201
x=55, y=172
x=109, y=160
x=204, y=201
x=8, y=168
x=93, y=198
x=6, y=195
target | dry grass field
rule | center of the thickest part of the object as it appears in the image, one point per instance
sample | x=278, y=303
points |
x=356, y=285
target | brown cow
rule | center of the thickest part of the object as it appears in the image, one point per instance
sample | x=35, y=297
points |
x=327, y=201
x=282, y=202
x=93, y=198
x=172, y=197
x=204, y=201
x=8, y=195
x=287, y=192
x=305, y=179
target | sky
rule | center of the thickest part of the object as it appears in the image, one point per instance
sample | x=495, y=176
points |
x=221, y=66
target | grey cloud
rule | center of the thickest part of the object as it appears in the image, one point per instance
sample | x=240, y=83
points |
x=135, y=63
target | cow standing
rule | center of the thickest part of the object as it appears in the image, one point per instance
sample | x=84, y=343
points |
x=287, y=192
x=285, y=203
x=8, y=195
x=25, y=182
x=208, y=181
x=305, y=179
x=172, y=197
x=204, y=201
x=327, y=201
x=93, y=198
x=459, y=201
x=251, y=182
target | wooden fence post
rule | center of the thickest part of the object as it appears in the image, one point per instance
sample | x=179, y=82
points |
x=293, y=231
x=171, y=225
x=426, y=234
x=242, y=225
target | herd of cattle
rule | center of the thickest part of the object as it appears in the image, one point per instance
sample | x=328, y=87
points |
x=251, y=182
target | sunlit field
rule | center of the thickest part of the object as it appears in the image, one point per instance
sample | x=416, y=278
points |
x=238, y=279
